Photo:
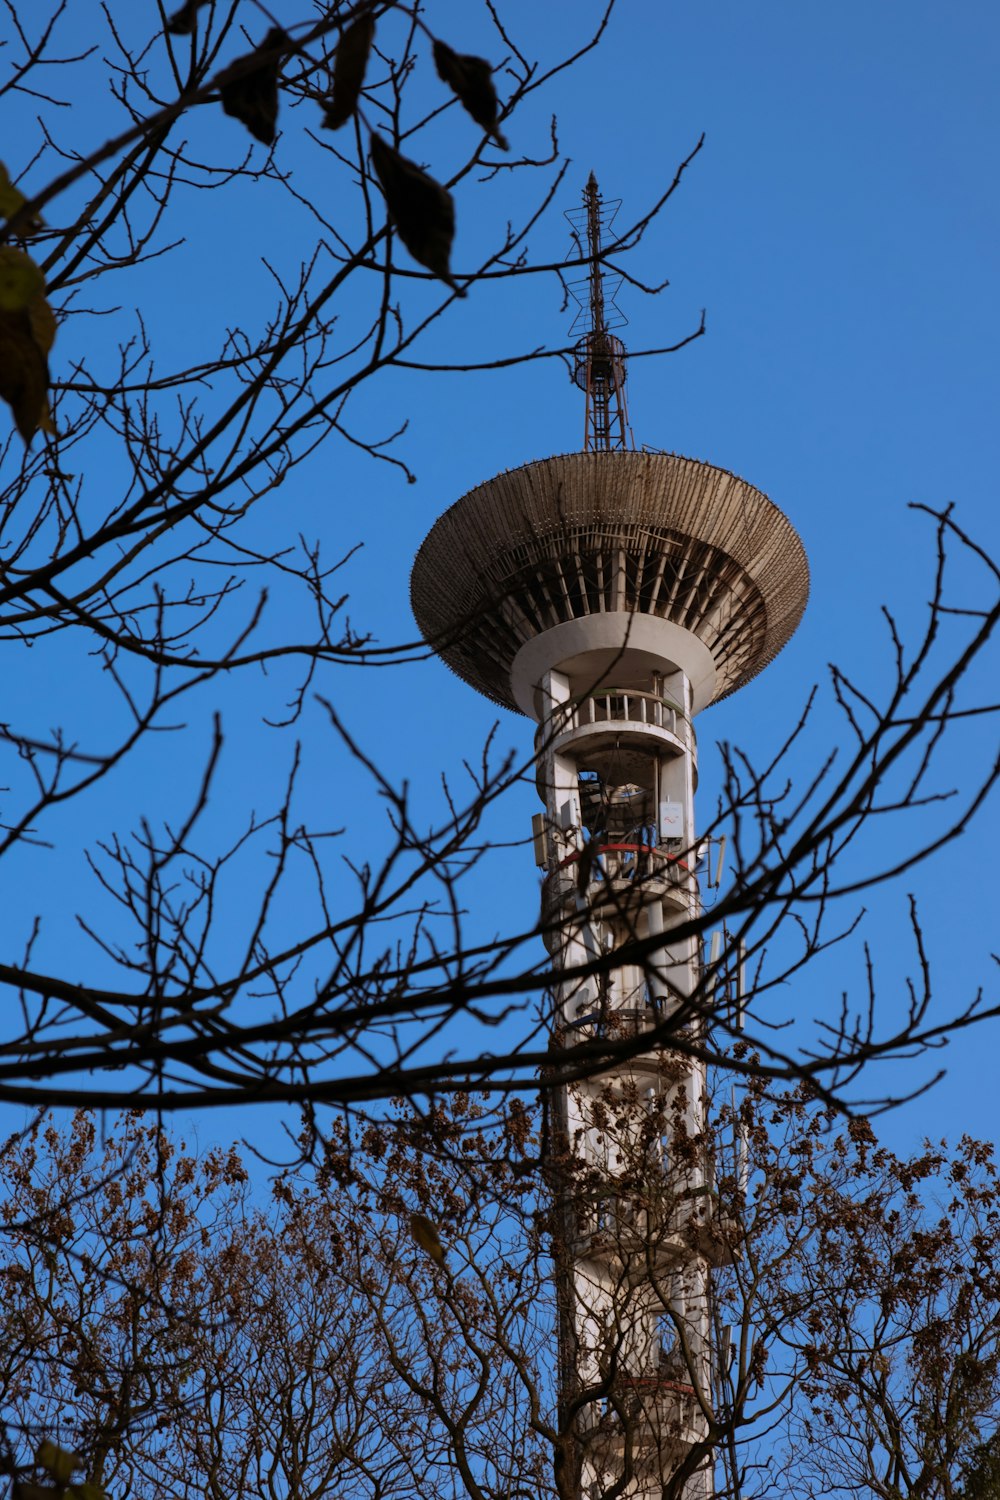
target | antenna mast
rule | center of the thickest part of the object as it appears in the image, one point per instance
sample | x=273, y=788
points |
x=600, y=355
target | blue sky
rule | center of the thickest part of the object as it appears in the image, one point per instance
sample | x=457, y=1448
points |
x=840, y=228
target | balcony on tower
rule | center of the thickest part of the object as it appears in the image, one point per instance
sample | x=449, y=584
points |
x=648, y=1424
x=642, y=1234
x=620, y=719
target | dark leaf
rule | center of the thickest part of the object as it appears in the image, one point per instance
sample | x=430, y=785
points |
x=21, y=281
x=27, y=331
x=471, y=78
x=349, y=72
x=24, y=374
x=56, y=1461
x=421, y=209
x=182, y=22
x=249, y=88
x=12, y=200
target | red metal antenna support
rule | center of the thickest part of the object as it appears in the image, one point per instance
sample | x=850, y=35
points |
x=600, y=355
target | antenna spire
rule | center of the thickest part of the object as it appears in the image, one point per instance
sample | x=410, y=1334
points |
x=599, y=356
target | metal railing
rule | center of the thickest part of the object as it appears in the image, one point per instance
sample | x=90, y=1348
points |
x=655, y=1411
x=631, y=862
x=616, y=706
x=630, y=1021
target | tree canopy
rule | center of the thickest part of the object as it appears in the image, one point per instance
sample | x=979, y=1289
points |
x=385, y=1324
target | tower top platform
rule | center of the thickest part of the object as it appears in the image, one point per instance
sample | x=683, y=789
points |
x=627, y=554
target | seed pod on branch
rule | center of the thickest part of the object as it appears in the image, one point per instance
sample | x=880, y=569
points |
x=421, y=209
x=182, y=22
x=471, y=79
x=249, y=88
x=349, y=72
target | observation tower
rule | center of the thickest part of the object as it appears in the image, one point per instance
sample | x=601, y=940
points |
x=611, y=595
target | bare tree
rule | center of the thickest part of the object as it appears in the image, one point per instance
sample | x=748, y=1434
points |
x=135, y=532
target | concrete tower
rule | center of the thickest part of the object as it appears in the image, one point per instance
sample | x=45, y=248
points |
x=610, y=595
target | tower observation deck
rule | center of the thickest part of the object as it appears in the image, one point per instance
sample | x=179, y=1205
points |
x=611, y=595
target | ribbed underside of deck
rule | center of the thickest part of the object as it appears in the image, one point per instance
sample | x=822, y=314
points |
x=589, y=533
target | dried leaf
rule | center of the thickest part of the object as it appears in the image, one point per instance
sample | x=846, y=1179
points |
x=22, y=288
x=43, y=323
x=249, y=88
x=21, y=281
x=421, y=209
x=27, y=332
x=349, y=71
x=182, y=22
x=12, y=200
x=56, y=1461
x=471, y=78
x=427, y=1237
x=24, y=377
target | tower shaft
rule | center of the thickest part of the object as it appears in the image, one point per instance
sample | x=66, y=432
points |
x=609, y=596
x=617, y=770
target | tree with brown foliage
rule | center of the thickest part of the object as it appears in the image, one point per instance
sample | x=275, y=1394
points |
x=862, y=1312
x=386, y=1326
x=175, y=1338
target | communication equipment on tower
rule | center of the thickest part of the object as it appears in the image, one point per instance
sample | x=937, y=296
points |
x=732, y=978
x=742, y=1154
x=599, y=357
x=741, y=984
x=672, y=820
x=540, y=839
x=717, y=881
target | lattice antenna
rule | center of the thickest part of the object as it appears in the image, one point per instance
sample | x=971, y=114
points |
x=599, y=368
